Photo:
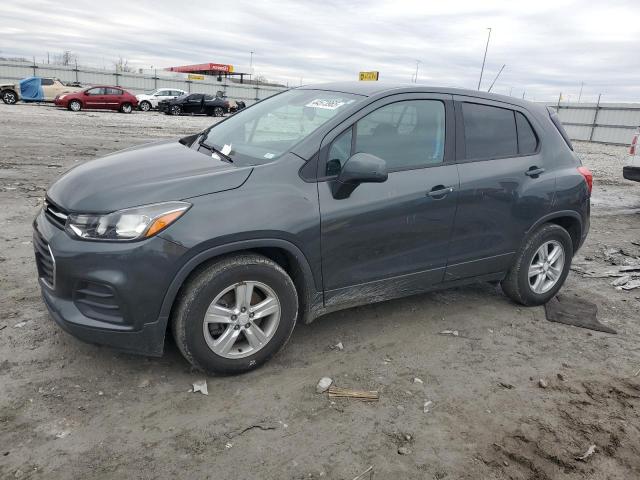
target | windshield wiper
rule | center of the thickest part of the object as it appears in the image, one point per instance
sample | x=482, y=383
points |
x=213, y=149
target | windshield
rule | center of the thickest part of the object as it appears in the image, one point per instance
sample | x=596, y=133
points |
x=270, y=128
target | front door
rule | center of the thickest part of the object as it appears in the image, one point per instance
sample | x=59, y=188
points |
x=193, y=103
x=95, y=98
x=390, y=239
x=505, y=186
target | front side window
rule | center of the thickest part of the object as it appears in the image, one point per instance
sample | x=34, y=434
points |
x=95, y=91
x=407, y=134
x=195, y=98
x=489, y=132
x=46, y=81
x=271, y=127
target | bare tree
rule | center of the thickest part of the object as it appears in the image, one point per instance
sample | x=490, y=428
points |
x=122, y=65
x=65, y=58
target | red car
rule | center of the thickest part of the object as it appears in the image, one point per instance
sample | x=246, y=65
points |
x=103, y=98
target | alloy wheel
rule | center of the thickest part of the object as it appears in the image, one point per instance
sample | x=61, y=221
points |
x=218, y=112
x=145, y=106
x=9, y=98
x=75, y=106
x=546, y=267
x=242, y=319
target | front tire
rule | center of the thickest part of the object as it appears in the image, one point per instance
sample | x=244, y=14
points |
x=235, y=314
x=75, y=105
x=144, y=106
x=541, y=267
x=9, y=97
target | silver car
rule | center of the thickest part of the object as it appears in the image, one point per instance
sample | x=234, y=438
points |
x=148, y=101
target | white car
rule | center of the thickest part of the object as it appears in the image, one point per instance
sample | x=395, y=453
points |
x=147, y=101
x=632, y=170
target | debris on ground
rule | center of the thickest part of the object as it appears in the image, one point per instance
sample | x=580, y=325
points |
x=630, y=285
x=62, y=434
x=508, y=386
x=426, y=408
x=228, y=445
x=144, y=383
x=20, y=325
x=323, y=384
x=365, y=395
x=455, y=333
x=200, y=386
x=542, y=383
x=576, y=311
x=637, y=373
x=590, y=451
x=418, y=380
x=368, y=470
x=404, y=451
x=338, y=346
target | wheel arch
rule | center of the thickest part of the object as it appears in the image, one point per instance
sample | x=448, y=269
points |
x=570, y=220
x=282, y=252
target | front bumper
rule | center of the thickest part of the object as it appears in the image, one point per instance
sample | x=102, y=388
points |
x=106, y=293
x=631, y=172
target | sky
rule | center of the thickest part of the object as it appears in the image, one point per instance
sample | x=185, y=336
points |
x=548, y=46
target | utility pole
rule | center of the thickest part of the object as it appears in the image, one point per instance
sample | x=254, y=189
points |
x=251, y=65
x=415, y=78
x=580, y=95
x=484, y=58
x=494, y=80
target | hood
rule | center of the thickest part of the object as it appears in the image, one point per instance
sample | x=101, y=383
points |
x=152, y=173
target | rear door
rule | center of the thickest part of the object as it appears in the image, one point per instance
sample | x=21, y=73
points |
x=505, y=185
x=112, y=98
x=393, y=236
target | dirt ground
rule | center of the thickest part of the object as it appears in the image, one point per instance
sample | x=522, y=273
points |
x=72, y=410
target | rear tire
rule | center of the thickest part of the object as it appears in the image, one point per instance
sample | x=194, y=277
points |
x=541, y=267
x=126, y=107
x=9, y=97
x=218, y=112
x=75, y=105
x=203, y=297
x=175, y=110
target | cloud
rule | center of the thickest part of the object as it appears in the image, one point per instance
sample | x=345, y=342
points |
x=548, y=46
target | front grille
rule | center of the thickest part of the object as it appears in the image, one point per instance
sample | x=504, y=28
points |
x=44, y=260
x=55, y=214
x=98, y=301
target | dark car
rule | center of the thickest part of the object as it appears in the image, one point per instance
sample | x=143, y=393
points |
x=313, y=200
x=195, y=103
x=99, y=98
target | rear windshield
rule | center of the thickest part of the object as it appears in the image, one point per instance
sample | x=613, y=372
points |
x=556, y=121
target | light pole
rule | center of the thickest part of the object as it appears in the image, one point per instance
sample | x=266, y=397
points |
x=580, y=95
x=415, y=78
x=485, y=57
x=251, y=65
x=494, y=80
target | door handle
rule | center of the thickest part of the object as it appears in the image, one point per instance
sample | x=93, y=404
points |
x=440, y=191
x=534, y=171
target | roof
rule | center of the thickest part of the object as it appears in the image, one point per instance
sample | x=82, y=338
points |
x=370, y=89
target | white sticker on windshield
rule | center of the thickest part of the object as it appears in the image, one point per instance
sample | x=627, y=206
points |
x=326, y=104
x=269, y=155
x=226, y=150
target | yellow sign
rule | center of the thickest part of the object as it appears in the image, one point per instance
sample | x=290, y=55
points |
x=195, y=76
x=369, y=76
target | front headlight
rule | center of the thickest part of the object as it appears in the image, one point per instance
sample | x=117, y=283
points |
x=129, y=224
x=61, y=97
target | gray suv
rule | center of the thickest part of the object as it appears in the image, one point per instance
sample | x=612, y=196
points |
x=316, y=199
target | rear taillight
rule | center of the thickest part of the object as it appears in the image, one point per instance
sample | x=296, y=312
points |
x=588, y=177
x=634, y=145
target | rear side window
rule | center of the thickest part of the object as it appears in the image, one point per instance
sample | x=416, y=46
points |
x=490, y=132
x=113, y=91
x=527, y=140
x=556, y=121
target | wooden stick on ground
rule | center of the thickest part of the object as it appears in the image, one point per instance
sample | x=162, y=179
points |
x=337, y=392
x=370, y=469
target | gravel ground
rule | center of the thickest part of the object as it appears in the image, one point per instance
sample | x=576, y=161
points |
x=71, y=410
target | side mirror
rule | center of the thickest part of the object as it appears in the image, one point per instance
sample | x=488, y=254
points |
x=359, y=168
